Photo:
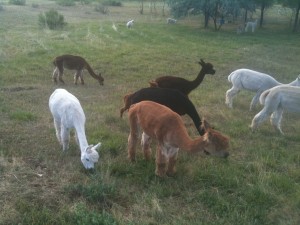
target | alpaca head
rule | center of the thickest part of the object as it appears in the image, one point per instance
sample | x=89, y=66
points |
x=90, y=156
x=207, y=68
x=217, y=143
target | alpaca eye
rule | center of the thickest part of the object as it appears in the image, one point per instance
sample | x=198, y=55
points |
x=87, y=160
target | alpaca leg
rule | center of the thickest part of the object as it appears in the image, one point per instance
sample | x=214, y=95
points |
x=54, y=75
x=58, y=131
x=275, y=119
x=230, y=94
x=76, y=76
x=255, y=100
x=133, y=137
x=171, y=166
x=161, y=162
x=146, y=141
x=259, y=118
x=60, y=74
x=81, y=76
x=132, y=141
x=65, y=137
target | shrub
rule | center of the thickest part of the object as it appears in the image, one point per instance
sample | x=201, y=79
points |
x=101, y=8
x=66, y=2
x=51, y=19
x=34, y=5
x=17, y=2
x=112, y=3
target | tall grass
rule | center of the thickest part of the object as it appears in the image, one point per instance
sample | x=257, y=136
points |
x=39, y=184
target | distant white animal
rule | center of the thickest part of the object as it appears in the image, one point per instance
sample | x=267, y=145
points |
x=130, y=23
x=275, y=100
x=114, y=27
x=171, y=21
x=67, y=114
x=252, y=81
x=251, y=25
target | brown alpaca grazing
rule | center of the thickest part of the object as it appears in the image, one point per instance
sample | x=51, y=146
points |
x=181, y=84
x=161, y=123
x=73, y=62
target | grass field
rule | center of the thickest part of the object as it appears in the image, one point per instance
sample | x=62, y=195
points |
x=258, y=184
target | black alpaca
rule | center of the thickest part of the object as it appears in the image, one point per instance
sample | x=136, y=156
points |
x=181, y=84
x=171, y=98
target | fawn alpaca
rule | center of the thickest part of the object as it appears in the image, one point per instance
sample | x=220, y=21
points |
x=171, y=98
x=73, y=62
x=181, y=84
x=161, y=123
x=67, y=114
x=276, y=100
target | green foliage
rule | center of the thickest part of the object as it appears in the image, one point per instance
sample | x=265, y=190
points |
x=17, y=2
x=51, y=19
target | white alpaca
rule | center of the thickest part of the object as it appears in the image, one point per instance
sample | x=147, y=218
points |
x=171, y=21
x=275, y=100
x=252, y=81
x=251, y=25
x=68, y=114
x=129, y=24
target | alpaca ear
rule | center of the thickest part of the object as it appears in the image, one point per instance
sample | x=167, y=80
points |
x=97, y=146
x=206, y=125
x=201, y=62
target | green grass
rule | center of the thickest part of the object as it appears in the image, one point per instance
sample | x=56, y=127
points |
x=39, y=184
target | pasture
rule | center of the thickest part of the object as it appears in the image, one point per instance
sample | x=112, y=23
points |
x=259, y=183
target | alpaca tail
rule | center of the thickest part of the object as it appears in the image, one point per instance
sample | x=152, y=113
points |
x=263, y=97
x=230, y=77
x=153, y=83
x=54, y=62
x=127, y=101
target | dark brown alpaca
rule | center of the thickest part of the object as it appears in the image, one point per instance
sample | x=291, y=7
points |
x=181, y=84
x=73, y=62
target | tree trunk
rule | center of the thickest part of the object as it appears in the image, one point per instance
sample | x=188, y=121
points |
x=142, y=7
x=263, y=6
x=206, y=19
x=246, y=15
x=296, y=18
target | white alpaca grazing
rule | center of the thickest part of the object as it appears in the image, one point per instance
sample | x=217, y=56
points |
x=252, y=81
x=129, y=24
x=68, y=114
x=171, y=21
x=275, y=100
x=251, y=25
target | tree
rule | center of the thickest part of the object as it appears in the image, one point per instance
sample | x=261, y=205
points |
x=294, y=4
x=215, y=9
x=248, y=6
x=264, y=4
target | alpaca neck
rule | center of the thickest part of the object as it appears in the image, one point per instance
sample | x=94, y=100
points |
x=82, y=141
x=190, y=145
x=91, y=71
x=195, y=83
